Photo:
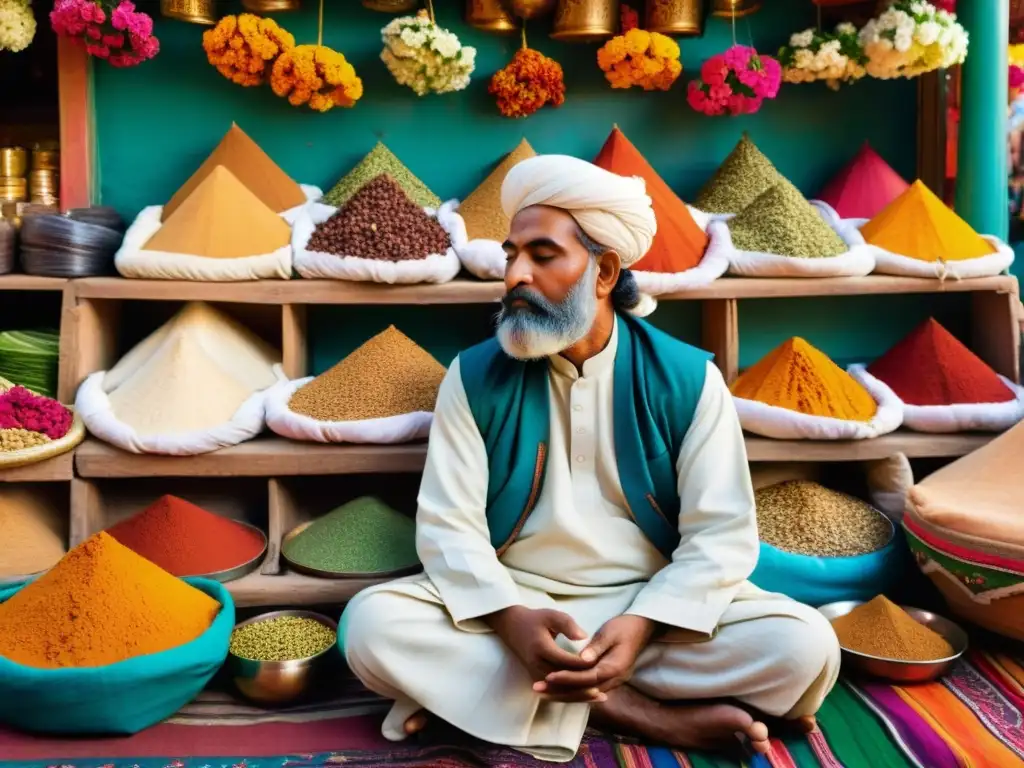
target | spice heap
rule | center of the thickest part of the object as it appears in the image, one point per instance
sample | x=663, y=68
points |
x=192, y=374
x=32, y=531
x=745, y=174
x=389, y=375
x=28, y=420
x=883, y=629
x=679, y=244
x=808, y=519
x=932, y=367
x=917, y=224
x=29, y=358
x=800, y=378
x=380, y=222
x=780, y=221
x=481, y=210
x=381, y=160
x=101, y=604
x=283, y=638
x=363, y=536
x=864, y=187
x=221, y=219
x=251, y=166
x=186, y=540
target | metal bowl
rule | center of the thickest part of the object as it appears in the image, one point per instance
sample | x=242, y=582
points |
x=308, y=570
x=239, y=570
x=282, y=682
x=897, y=670
x=7, y=582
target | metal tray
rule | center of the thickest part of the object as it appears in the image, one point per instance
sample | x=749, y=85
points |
x=298, y=568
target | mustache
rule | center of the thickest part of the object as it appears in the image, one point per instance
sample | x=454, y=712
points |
x=533, y=300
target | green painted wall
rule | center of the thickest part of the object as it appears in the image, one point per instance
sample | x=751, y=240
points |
x=158, y=121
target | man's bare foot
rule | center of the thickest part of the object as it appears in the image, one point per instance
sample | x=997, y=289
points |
x=696, y=726
x=416, y=723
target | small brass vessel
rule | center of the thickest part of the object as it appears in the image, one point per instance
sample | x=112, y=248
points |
x=490, y=16
x=532, y=9
x=45, y=160
x=270, y=6
x=735, y=9
x=681, y=18
x=13, y=162
x=586, y=21
x=13, y=189
x=193, y=11
x=391, y=6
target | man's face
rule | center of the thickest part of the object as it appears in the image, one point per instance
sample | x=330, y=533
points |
x=550, y=282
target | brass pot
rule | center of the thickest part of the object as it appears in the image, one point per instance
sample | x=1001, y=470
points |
x=586, y=21
x=490, y=16
x=735, y=9
x=192, y=11
x=675, y=17
x=528, y=10
x=391, y=6
x=270, y=6
x=13, y=162
x=13, y=189
x=45, y=160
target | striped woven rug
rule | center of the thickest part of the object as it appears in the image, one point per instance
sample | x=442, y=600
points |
x=970, y=719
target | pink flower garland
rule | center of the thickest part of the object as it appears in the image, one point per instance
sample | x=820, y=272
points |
x=1016, y=76
x=117, y=33
x=735, y=82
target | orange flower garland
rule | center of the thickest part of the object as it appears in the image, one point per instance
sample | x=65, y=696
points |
x=527, y=83
x=317, y=76
x=242, y=47
x=639, y=58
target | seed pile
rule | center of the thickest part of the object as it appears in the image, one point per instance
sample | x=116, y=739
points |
x=881, y=628
x=808, y=519
x=363, y=536
x=284, y=638
x=481, y=210
x=381, y=160
x=380, y=222
x=389, y=375
x=745, y=174
x=32, y=532
x=782, y=222
x=18, y=439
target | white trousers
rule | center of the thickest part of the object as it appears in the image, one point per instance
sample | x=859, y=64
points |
x=769, y=652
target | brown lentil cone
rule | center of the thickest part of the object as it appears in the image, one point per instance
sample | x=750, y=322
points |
x=380, y=222
x=808, y=519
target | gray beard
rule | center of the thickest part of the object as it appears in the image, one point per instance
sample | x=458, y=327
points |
x=545, y=328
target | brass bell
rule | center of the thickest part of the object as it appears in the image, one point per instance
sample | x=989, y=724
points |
x=682, y=18
x=192, y=11
x=490, y=16
x=391, y=6
x=735, y=9
x=586, y=21
x=531, y=9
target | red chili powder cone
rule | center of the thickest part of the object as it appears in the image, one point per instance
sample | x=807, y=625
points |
x=186, y=540
x=932, y=367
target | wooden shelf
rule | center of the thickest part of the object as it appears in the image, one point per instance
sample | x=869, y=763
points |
x=465, y=291
x=31, y=283
x=293, y=589
x=276, y=457
x=58, y=469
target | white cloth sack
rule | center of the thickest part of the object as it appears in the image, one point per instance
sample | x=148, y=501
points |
x=712, y=266
x=889, y=480
x=482, y=258
x=962, y=417
x=387, y=431
x=784, y=424
x=435, y=268
x=132, y=260
x=93, y=405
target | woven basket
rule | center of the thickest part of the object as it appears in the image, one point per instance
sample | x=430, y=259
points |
x=37, y=453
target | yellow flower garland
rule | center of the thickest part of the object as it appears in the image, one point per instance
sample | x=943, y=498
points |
x=317, y=76
x=639, y=58
x=242, y=47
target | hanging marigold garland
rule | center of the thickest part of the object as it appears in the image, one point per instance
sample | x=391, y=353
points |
x=244, y=47
x=648, y=60
x=528, y=82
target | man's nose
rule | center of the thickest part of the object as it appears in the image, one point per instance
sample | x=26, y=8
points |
x=518, y=272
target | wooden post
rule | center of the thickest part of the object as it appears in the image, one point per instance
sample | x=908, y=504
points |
x=720, y=334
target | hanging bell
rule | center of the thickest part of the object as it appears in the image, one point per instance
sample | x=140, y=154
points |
x=586, y=21
x=391, y=6
x=527, y=10
x=490, y=16
x=192, y=11
x=680, y=18
x=735, y=9
x=270, y=6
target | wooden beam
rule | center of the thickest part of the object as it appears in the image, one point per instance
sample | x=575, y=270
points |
x=77, y=125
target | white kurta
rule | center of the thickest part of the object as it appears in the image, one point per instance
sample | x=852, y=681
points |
x=420, y=641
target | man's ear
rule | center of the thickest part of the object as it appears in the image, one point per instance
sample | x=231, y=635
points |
x=609, y=265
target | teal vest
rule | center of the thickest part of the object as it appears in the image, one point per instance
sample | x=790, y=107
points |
x=657, y=383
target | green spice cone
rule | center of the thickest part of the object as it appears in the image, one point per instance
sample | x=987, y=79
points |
x=363, y=536
x=381, y=160
x=745, y=174
x=782, y=222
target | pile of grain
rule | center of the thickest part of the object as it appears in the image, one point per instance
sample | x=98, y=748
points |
x=389, y=375
x=745, y=174
x=283, y=638
x=808, y=519
x=481, y=210
x=782, y=222
x=32, y=532
x=381, y=160
x=380, y=222
x=883, y=629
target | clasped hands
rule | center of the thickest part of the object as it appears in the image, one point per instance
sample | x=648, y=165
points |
x=560, y=675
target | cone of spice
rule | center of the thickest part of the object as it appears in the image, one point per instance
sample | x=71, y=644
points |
x=744, y=175
x=781, y=222
x=864, y=186
x=186, y=540
x=365, y=536
x=32, y=532
x=101, y=604
x=481, y=210
x=381, y=160
x=882, y=629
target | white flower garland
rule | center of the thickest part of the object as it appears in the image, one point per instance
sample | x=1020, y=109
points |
x=835, y=57
x=911, y=38
x=425, y=57
x=17, y=25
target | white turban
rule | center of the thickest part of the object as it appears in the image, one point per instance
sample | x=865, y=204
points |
x=614, y=211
